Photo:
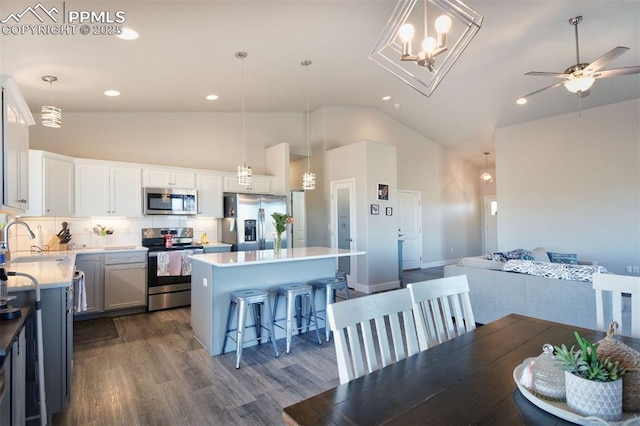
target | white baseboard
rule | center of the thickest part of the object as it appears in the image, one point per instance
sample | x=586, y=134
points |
x=439, y=263
x=375, y=288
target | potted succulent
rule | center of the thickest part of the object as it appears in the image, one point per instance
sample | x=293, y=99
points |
x=593, y=385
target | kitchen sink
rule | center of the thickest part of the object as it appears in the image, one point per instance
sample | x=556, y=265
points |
x=22, y=258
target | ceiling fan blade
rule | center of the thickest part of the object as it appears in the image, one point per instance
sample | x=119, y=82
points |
x=560, y=83
x=604, y=59
x=616, y=72
x=547, y=74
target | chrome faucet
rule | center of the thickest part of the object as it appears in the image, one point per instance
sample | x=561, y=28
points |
x=5, y=234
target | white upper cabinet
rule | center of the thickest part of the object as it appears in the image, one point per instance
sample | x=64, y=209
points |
x=104, y=189
x=16, y=119
x=210, y=194
x=51, y=184
x=259, y=184
x=168, y=178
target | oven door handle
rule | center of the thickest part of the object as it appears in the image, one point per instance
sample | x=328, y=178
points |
x=155, y=253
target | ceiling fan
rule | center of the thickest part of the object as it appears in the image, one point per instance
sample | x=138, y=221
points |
x=580, y=77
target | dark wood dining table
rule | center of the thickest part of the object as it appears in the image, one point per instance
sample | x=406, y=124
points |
x=466, y=380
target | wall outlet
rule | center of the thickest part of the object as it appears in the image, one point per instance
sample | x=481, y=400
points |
x=635, y=270
x=628, y=269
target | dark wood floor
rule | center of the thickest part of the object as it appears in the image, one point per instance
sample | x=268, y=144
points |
x=156, y=373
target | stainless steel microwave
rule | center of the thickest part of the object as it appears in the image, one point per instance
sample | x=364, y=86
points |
x=170, y=201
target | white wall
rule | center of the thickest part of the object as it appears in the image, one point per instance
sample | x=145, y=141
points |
x=370, y=163
x=450, y=186
x=572, y=184
x=210, y=141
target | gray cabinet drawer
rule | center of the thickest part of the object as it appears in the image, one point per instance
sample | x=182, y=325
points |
x=125, y=257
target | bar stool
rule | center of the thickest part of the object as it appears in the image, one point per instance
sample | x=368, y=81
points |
x=243, y=300
x=294, y=294
x=329, y=286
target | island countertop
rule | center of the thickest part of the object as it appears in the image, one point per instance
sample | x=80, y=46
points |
x=240, y=258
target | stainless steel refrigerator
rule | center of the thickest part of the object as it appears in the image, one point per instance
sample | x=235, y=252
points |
x=247, y=223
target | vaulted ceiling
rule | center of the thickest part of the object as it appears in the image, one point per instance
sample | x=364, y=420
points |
x=186, y=51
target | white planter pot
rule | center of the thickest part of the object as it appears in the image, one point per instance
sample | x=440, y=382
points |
x=591, y=398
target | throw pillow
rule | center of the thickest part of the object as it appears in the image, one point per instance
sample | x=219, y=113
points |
x=568, y=258
x=540, y=254
x=520, y=254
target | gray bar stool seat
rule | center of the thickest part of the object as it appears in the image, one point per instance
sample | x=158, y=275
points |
x=243, y=300
x=294, y=294
x=329, y=287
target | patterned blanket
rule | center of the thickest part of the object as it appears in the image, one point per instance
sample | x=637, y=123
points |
x=561, y=271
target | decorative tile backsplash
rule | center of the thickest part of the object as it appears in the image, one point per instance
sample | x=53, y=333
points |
x=127, y=231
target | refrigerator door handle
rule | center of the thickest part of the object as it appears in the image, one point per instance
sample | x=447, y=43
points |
x=261, y=228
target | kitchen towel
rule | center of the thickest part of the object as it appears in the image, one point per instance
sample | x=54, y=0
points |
x=175, y=263
x=163, y=264
x=79, y=292
x=186, y=262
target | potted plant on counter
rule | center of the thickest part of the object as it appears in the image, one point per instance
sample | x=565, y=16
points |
x=593, y=385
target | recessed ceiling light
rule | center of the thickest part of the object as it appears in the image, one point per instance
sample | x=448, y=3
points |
x=128, y=34
x=212, y=97
x=521, y=101
x=112, y=93
x=386, y=98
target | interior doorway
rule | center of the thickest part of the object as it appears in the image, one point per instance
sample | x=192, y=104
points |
x=343, y=219
x=410, y=228
x=299, y=213
x=490, y=224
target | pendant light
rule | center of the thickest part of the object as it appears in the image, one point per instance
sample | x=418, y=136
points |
x=486, y=176
x=51, y=115
x=244, y=171
x=308, y=179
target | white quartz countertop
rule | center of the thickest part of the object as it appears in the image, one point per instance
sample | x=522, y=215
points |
x=52, y=269
x=240, y=258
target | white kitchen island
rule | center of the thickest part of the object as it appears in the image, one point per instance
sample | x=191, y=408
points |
x=215, y=276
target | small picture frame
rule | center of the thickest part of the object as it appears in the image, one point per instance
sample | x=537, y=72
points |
x=375, y=209
x=383, y=191
x=389, y=211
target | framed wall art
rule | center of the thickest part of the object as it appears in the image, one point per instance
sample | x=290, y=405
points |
x=389, y=211
x=375, y=209
x=383, y=191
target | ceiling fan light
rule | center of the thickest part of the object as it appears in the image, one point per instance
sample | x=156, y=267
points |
x=579, y=84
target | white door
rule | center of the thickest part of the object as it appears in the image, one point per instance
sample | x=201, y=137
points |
x=490, y=224
x=410, y=231
x=299, y=230
x=343, y=220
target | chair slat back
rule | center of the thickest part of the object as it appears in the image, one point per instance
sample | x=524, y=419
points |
x=372, y=332
x=442, y=309
x=616, y=285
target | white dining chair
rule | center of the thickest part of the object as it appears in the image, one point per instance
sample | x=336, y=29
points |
x=616, y=285
x=442, y=309
x=361, y=335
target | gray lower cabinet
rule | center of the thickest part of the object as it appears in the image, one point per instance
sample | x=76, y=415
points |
x=13, y=387
x=57, y=332
x=216, y=249
x=125, y=280
x=91, y=265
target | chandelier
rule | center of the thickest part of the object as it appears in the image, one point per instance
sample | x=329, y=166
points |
x=486, y=176
x=308, y=179
x=51, y=115
x=424, y=68
x=244, y=172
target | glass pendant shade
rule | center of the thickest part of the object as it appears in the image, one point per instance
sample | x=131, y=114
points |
x=51, y=116
x=580, y=84
x=308, y=181
x=244, y=175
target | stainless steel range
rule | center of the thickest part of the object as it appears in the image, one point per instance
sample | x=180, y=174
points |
x=169, y=266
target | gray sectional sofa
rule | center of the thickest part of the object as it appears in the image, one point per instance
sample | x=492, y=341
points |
x=495, y=293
